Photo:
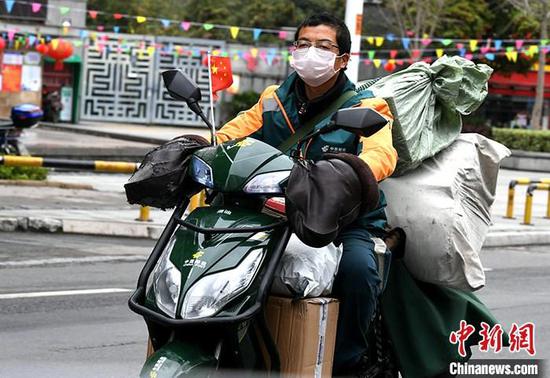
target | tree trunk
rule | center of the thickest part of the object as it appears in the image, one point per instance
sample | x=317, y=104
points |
x=536, y=114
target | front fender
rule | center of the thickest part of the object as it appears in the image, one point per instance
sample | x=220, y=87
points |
x=179, y=359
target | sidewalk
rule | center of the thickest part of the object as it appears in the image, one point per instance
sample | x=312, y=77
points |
x=104, y=211
x=130, y=132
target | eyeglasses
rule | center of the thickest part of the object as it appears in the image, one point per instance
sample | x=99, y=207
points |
x=323, y=44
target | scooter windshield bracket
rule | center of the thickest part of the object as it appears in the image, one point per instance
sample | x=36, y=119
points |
x=242, y=230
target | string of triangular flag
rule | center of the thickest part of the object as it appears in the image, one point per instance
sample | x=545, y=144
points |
x=100, y=42
x=284, y=34
x=184, y=25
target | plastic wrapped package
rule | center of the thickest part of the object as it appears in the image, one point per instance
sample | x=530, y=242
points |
x=444, y=208
x=306, y=271
x=427, y=102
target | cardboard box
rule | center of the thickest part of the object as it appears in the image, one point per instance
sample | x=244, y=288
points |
x=305, y=334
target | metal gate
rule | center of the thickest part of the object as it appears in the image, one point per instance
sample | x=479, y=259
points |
x=122, y=80
x=166, y=110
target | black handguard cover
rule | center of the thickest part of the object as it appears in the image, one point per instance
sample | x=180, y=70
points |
x=324, y=197
x=161, y=180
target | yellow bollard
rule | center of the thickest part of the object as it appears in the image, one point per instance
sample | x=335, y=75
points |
x=529, y=201
x=198, y=200
x=194, y=202
x=528, y=209
x=144, y=213
x=512, y=191
x=510, y=206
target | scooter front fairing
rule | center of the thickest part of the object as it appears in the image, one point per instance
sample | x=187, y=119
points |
x=207, y=288
x=203, y=274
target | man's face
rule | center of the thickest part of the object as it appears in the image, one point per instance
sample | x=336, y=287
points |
x=324, y=36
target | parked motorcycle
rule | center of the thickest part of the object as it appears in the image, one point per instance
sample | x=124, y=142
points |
x=203, y=289
x=23, y=116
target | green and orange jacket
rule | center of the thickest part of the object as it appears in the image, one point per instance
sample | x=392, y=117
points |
x=274, y=118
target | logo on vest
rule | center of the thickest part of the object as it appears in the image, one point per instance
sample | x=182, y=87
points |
x=327, y=148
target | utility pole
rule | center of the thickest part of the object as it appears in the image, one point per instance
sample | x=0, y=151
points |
x=538, y=108
x=354, y=20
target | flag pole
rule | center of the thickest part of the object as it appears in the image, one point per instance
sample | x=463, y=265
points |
x=213, y=131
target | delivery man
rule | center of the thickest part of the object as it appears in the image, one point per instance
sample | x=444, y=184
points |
x=321, y=52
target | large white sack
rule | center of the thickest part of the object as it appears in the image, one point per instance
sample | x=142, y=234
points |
x=444, y=208
x=306, y=271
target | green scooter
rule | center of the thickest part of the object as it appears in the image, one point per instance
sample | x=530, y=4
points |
x=203, y=289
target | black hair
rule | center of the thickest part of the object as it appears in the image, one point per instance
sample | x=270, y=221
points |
x=343, y=37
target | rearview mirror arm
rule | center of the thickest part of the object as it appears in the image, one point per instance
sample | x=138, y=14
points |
x=194, y=106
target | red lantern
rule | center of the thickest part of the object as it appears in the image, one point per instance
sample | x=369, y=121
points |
x=60, y=50
x=389, y=66
x=42, y=48
x=2, y=44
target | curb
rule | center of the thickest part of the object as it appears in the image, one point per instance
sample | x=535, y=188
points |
x=49, y=184
x=517, y=238
x=495, y=239
x=76, y=226
x=527, y=161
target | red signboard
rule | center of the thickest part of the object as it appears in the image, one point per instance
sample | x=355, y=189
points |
x=518, y=84
x=11, y=78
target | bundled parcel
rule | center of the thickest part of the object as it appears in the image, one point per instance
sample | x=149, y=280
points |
x=445, y=182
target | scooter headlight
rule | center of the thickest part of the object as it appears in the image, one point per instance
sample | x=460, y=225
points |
x=201, y=172
x=267, y=183
x=212, y=292
x=166, y=282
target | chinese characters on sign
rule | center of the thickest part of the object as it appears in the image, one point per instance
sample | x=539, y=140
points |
x=521, y=337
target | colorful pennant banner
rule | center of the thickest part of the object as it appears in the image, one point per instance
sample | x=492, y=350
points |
x=388, y=58
x=408, y=40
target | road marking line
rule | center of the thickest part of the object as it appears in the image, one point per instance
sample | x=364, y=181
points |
x=71, y=260
x=39, y=294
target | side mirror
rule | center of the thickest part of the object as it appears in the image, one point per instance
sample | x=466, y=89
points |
x=183, y=88
x=361, y=121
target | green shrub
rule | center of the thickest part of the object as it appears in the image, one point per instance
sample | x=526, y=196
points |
x=23, y=173
x=526, y=140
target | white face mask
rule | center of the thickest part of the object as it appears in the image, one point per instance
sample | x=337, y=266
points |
x=315, y=66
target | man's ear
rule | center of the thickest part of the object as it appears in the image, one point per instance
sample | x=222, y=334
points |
x=345, y=60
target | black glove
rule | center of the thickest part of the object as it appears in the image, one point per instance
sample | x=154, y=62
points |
x=369, y=184
x=161, y=179
x=194, y=139
x=324, y=197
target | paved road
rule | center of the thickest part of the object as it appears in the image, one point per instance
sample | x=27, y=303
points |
x=79, y=335
x=518, y=290
x=91, y=335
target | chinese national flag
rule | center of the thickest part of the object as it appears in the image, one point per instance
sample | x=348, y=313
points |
x=222, y=77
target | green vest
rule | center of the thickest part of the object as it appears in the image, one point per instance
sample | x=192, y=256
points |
x=275, y=129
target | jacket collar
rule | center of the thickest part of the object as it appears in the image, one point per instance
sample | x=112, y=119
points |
x=288, y=86
x=290, y=99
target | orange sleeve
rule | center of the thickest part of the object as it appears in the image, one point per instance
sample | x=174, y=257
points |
x=246, y=122
x=377, y=150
